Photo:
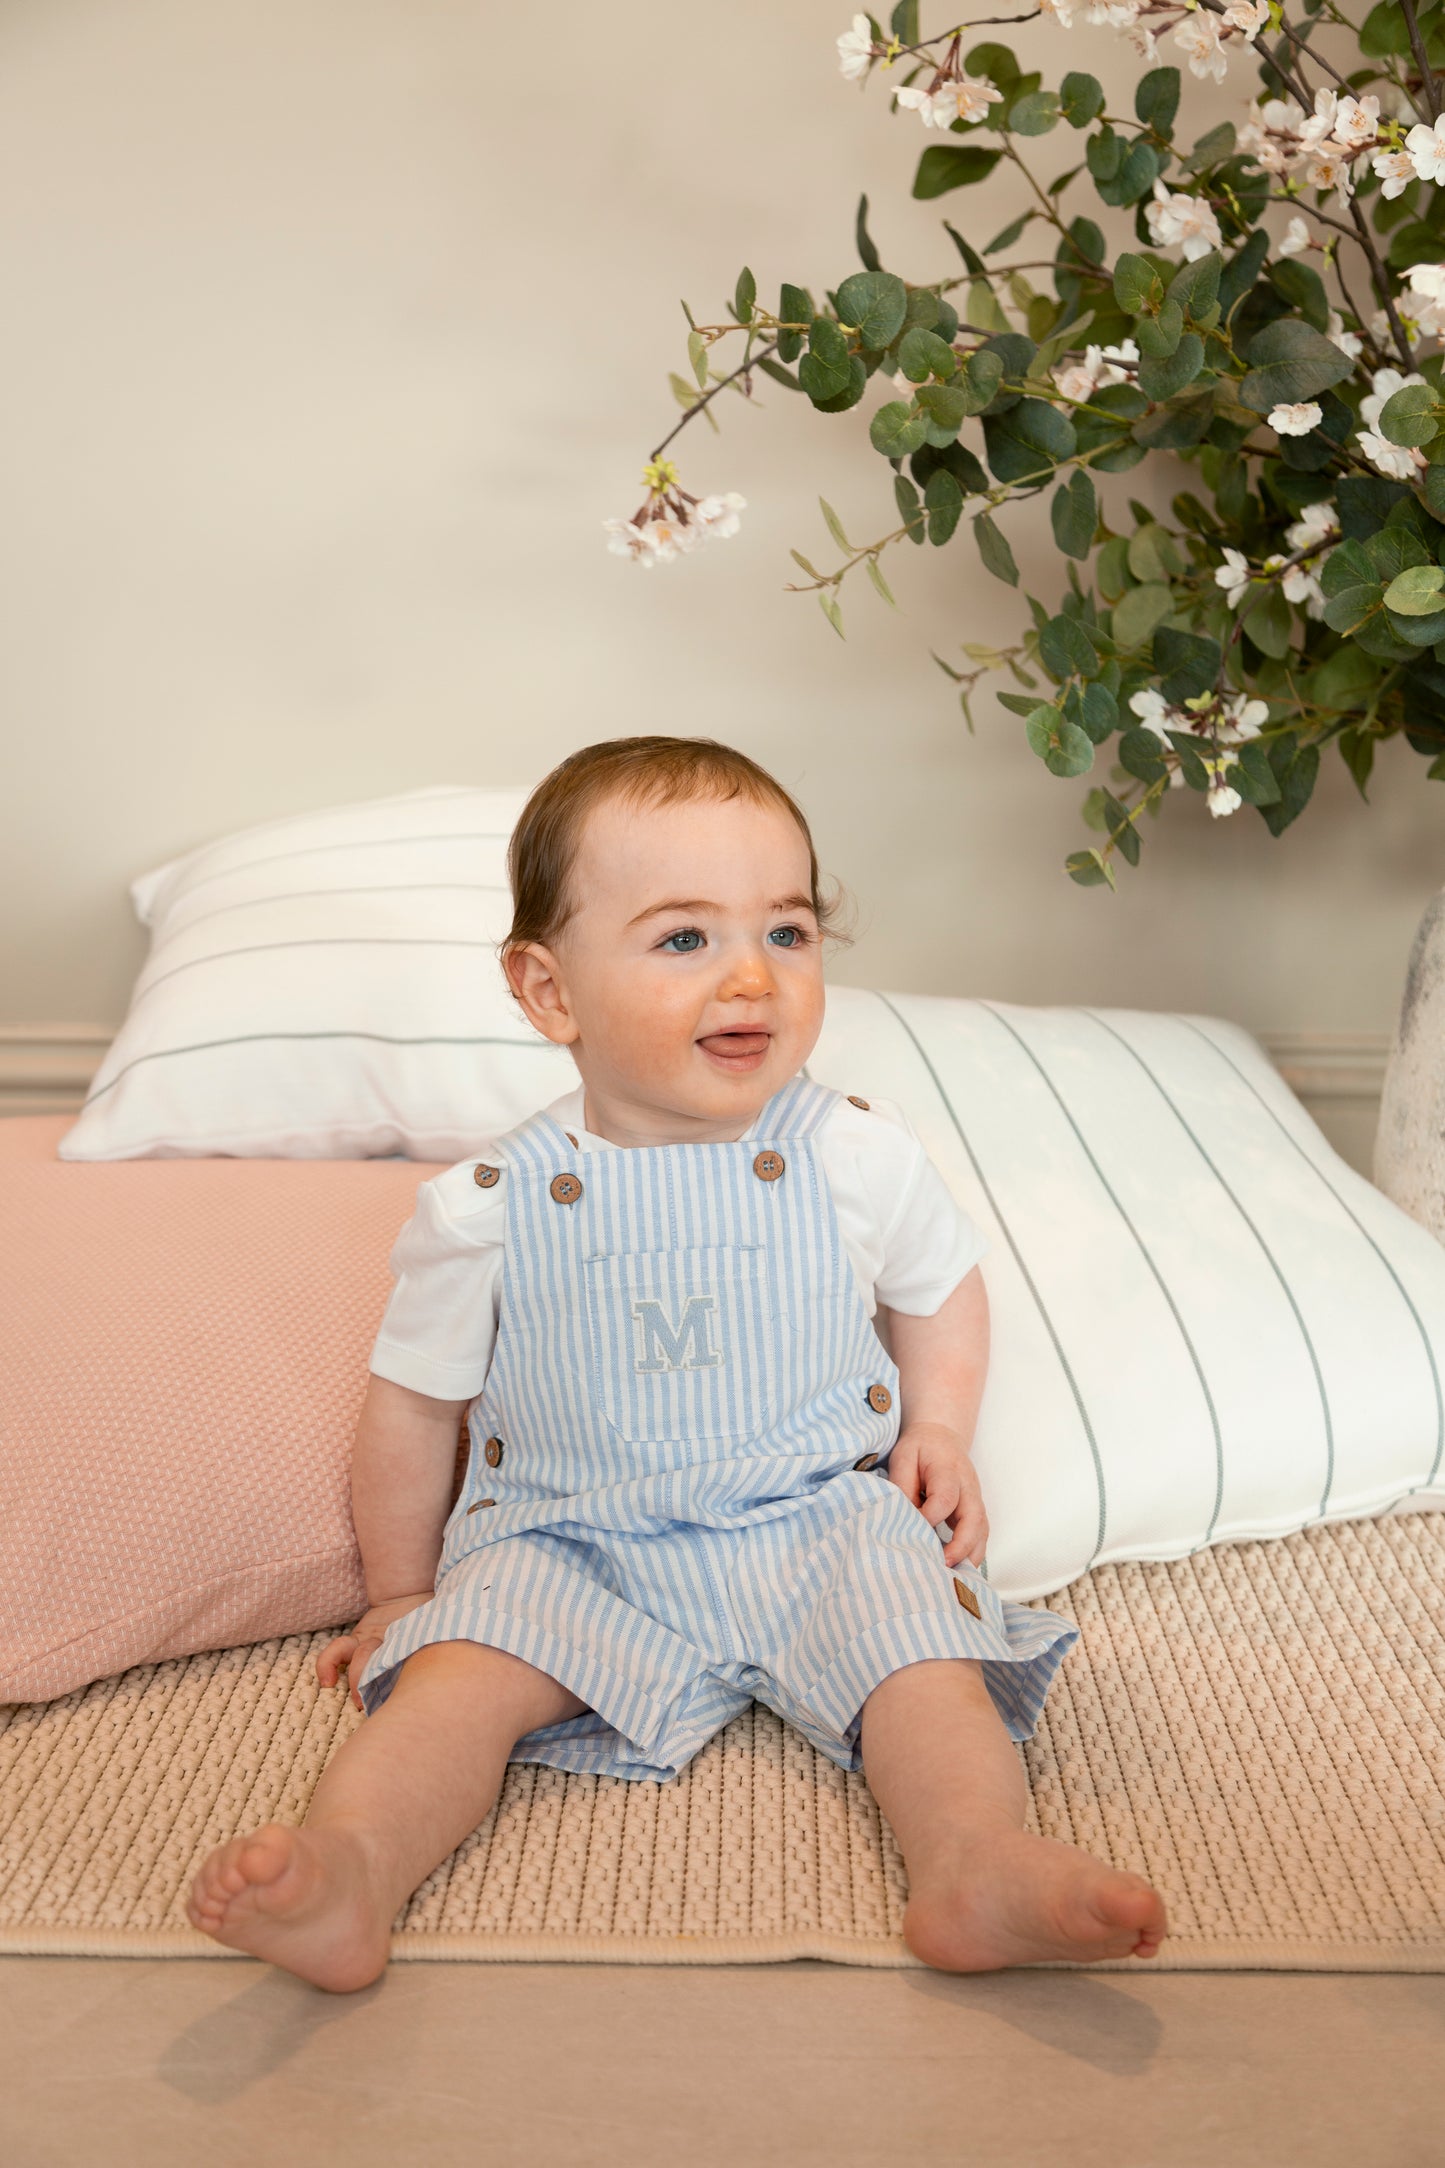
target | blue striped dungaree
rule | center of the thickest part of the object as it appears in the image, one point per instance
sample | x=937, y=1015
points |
x=676, y=1496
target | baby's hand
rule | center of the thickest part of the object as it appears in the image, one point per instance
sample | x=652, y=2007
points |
x=352, y=1652
x=934, y=1470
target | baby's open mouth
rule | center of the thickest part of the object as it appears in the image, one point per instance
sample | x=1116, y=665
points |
x=738, y=1049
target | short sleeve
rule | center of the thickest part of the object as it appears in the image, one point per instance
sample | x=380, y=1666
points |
x=910, y=1241
x=440, y=1325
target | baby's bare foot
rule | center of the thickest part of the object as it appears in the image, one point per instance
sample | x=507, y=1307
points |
x=1016, y=1899
x=299, y=1898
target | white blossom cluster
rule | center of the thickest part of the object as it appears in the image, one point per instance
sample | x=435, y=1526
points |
x=671, y=523
x=1306, y=537
x=950, y=95
x=1201, y=34
x=1328, y=147
x=1186, y=222
x=1231, y=720
x=1101, y=365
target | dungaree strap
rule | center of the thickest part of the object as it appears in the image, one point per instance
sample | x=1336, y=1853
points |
x=792, y=1114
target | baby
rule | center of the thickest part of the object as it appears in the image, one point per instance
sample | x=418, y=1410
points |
x=697, y=1476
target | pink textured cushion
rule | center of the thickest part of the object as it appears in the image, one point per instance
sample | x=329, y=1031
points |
x=183, y=1352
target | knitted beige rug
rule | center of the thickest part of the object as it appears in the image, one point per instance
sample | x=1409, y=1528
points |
x=1259, y=1728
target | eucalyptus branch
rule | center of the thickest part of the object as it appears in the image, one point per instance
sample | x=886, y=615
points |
x=706, y=398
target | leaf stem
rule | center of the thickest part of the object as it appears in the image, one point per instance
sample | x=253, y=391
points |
x=708, y=396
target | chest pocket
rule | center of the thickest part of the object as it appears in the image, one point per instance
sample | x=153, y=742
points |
x=684, y=1344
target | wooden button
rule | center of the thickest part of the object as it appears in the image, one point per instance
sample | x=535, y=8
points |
x=565, y=1188
x=768, y=1166
x=480, y=1503
x=857, y=1102
x=879, y=1399
x=966, y=1597
x=869, y=1460
x=570, y=1138
x=486, y=1177
x=494, y=1450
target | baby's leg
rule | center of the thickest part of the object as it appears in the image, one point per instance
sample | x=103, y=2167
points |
x=408, y=1785
x=983, y=1892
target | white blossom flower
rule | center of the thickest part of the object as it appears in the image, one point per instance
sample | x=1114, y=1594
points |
x=1272, y=133
x=1357, y=123
x=855, y=48
x=652, y=542
x=1100, y=365
x=1320, y=124
x=1398, y=461
x=1185, y=219
x=1150, y=708
x=1241, y=717
x=1384, y=385
x=1299, y=585
x=1328, y=167
x=1234, y=577
x=1316, y=522
x=1248, y=16
x=968, y=98
x=1427, y=308
x=1426, y=147
x=1198, y=36
x=1396, y=170
x=1061, y=10
x=1348, y=342
x=718, y=516
x=1296, y=237
x=1222, y=799
x=1113, y=14
x=1297, y=420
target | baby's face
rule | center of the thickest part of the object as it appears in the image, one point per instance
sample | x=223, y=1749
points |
x=692, y=967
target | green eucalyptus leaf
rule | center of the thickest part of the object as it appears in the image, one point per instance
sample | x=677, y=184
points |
x=1154, y=554
x=1407, y=417
x=1290, y=361
x=1295, y=768
x=1089, y=868
x=1028, y=441
x=795, y=306
x=922, y=354
x=1064, y=648
x=1418, y=591
x=944, y=166
x=1035, y=114
x=1062, y=746
x=1010, y=234
x=1137, y=614
x=1075, y=514
x=993, y=548
x=944, y=499
x=864, y=240
x=910, y=509
x=1162, y=376
x=1141, y=753
x=1269, y=621
x=744, y=296
x=1137, y=285
x=1081, y=99
x=1187, y=663
x=875, y=303
x=1156, y=99
x=1159, y=336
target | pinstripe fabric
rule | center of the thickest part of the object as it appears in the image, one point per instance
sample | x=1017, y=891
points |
x=675, y=1524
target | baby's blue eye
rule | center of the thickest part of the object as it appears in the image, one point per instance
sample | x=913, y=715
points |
x=788, y=936
x=690, y=939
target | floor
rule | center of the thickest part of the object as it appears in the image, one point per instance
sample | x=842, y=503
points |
x=139, y=2064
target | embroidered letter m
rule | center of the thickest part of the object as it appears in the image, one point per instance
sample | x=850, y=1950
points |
x=684, y=1346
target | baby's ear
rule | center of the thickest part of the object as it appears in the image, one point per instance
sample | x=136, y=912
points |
x=535, y=977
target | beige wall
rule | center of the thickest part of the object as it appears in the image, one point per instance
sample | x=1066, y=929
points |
x=334, y=328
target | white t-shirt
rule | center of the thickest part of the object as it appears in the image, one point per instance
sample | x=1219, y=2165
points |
x=908, y=1241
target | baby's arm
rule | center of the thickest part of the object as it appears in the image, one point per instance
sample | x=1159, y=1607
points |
x=401, y=1480
x=942, y=1363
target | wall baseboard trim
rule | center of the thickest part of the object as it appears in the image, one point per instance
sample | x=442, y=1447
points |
x=47, y=1068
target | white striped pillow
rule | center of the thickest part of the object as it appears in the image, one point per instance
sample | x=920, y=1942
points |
x=1207, y=1327
x=326, y=987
